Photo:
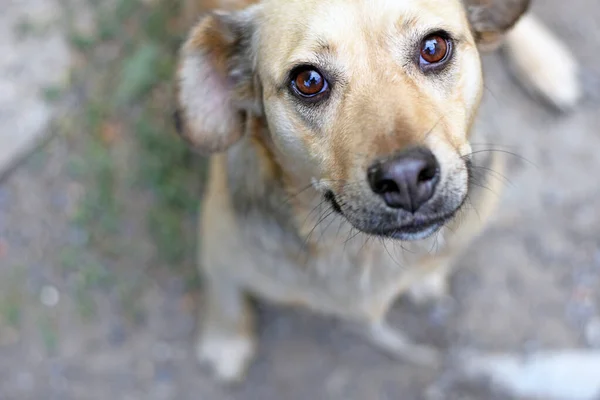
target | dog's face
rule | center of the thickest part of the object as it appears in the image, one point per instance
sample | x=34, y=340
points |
x=378, y=98
x=372, y=100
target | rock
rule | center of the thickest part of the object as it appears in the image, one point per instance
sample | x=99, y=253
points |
x=49, y=296
x=28, y=65
x=559, y=375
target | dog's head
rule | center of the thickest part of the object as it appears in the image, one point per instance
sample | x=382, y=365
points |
x=372, y=100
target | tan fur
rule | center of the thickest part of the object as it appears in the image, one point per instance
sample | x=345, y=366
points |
x=265, y=229
x=543, y=64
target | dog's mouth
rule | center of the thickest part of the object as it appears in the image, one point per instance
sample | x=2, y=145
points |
x=330, y=197
x=414, y=231
x=413, y=227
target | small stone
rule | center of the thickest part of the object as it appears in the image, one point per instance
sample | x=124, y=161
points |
x=49, y=296
x=592, y=333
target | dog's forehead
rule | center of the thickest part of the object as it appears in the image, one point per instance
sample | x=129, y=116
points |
x=298, y=9
x=303, y=27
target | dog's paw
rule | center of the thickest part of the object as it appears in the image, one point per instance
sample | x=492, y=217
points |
x=543, y=64
x=432, y=289
x=397, y=345
x=228, y=357
x=424, y=356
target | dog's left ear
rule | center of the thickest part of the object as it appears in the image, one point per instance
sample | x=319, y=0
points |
x=491, y=19
x=216, y=85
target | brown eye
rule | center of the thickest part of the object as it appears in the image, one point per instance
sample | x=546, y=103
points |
x=309, y=82
x=434, y=50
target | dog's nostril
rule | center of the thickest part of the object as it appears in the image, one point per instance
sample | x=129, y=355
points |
x=428, y=173
x=385, y=186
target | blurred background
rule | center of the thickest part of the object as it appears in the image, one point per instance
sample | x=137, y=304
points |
x=98, y=288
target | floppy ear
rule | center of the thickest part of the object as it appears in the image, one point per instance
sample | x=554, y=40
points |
x=491, y=19
x=216, y=87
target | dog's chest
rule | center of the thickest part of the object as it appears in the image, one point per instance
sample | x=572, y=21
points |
x=358, y=276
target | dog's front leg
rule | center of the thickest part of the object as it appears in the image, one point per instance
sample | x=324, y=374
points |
x=227, y=342
x=433, y=287
x=396, y=344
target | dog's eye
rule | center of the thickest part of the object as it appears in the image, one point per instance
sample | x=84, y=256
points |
x=308, y=82
x=435, y=50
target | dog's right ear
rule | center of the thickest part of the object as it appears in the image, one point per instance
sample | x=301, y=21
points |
x=216, y=85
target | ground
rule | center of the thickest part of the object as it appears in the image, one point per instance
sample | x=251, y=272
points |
x=98, y=292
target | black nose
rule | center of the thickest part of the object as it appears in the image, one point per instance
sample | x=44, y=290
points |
x=407, y=180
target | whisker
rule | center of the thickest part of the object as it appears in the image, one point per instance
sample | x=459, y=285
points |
x=293, y=196
x=500, y=151
x=390, y=254
x=435, y=243
x=348, y=238
x=327, y=227
x=472, y=181
x=492, y=145
x=353, y=236
x=494, y=174
x=342, y=221
x=468, y=198
x=491, y=93
x=327, y=213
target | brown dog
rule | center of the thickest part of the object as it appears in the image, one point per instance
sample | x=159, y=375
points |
x=348, y=178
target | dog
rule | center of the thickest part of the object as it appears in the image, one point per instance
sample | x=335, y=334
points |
x=341, y=172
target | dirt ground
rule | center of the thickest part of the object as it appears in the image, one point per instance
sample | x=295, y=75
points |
x=87, y=316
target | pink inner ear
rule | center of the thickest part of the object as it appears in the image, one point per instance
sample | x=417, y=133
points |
x=205, y=97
